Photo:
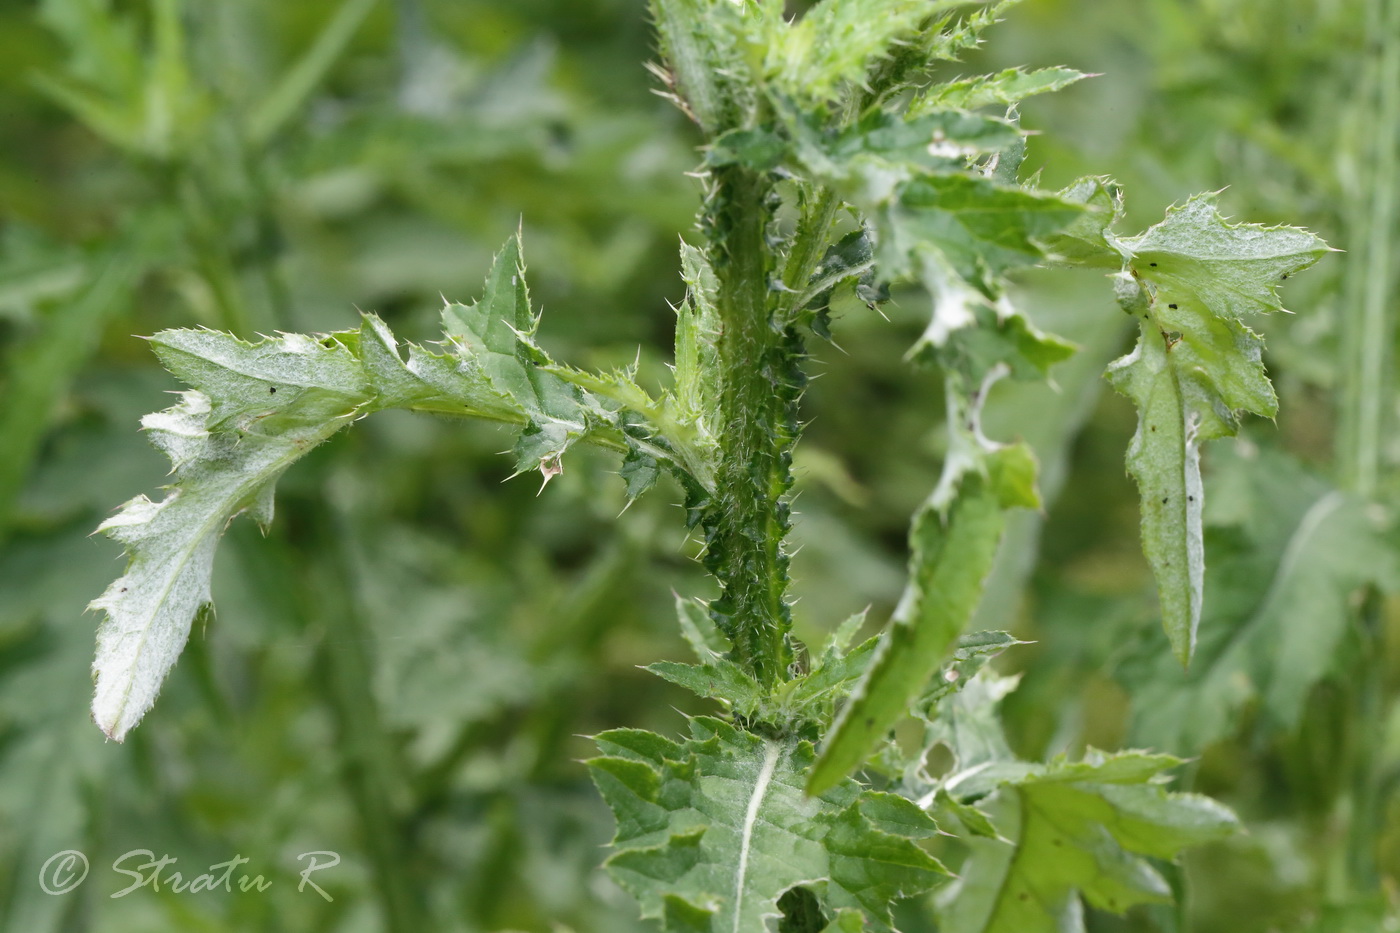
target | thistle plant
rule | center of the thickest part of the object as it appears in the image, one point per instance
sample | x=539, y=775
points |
x=833, y=159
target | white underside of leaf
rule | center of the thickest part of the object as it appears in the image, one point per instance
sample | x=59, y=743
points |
x=171, y=544
x=771, y=754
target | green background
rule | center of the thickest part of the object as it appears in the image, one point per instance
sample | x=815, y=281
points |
x=405, y=670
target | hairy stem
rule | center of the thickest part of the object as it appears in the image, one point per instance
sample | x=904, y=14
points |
x=746, y=524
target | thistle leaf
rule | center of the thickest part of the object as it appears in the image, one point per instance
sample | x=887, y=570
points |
x=698, y=373
x=982, y=228
x=1196, y=365
x=702, y=44
x=974, y=650
x=700, y=631
x=1078, y=829
x=835, y=45
x=711, y=831
x=798, y=704
x=274, y=412
x=256, y=408
x=950, y=39
x=1006, y=87
x=1233, y=269
x=953, y=547
x=1164, y=460
x=561, y=405
x=1088, y=240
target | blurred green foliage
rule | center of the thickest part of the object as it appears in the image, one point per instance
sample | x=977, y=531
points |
x=260, y=166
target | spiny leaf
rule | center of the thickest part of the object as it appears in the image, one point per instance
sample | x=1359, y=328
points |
x=950, y=39
x=974, y=650
x=700, y=631
x=265, y=387
x=256, y=408
x=911, y=59
x=850, y=258
x=838, y=643
x=760, y=148
x=712, y=830
x=1078, y=829
x=982, y=228
x=967, y=335
x=953, y=547
x=836, y=44
x=967, y=724
x=960, y=713
x=716, y=679
x=810, y=698
x=870, y=154
x=1187, y=281
x=171, y=543
x=1233, y=269
x=1043, y=835
x=869, y=162
x=1088, y=240
x=426, y=381
x=698, y=375
x=561, y=405
x=1005, y=87
x=1164, y=460
x=935, y=139
x=706, y=66
x=797, y=704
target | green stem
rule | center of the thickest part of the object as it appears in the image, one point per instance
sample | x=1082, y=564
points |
x=1368, y=329
x=748, y=519
x=1368, y=332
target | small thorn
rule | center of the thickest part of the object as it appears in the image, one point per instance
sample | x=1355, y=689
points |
x=550, y=467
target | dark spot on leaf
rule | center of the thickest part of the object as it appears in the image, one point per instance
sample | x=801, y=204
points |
x=1190, y=498
x=271, y=390
x=1152, y=264
x=1173, y=307
x=1151, y=427
x=1165, y=499
x=1285, y=275
x=1024, y=896
x=870, y=723
x=123, y=589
